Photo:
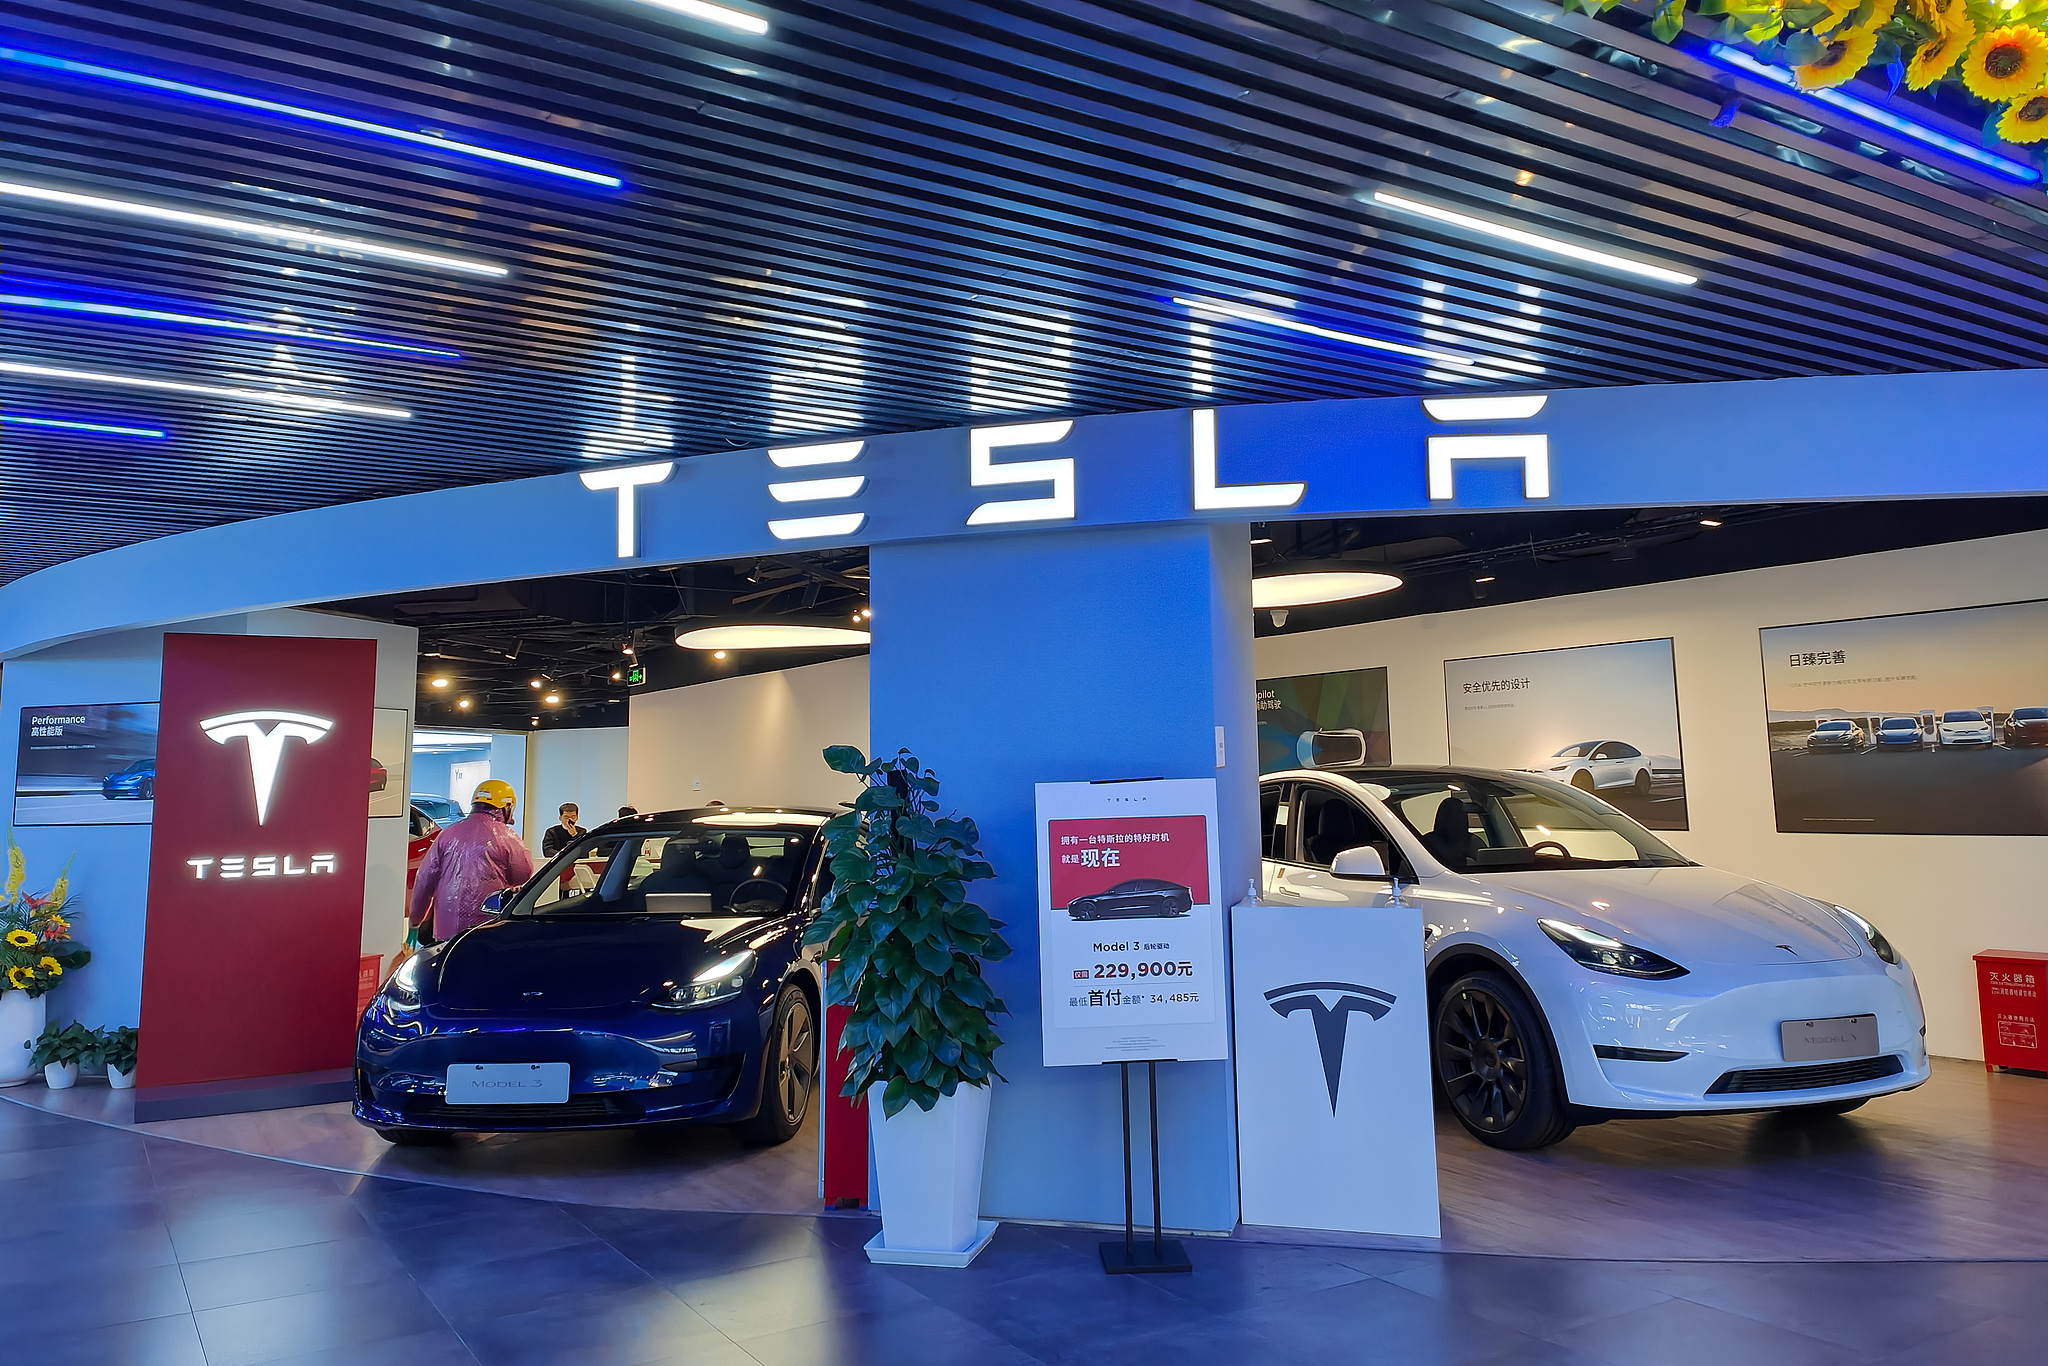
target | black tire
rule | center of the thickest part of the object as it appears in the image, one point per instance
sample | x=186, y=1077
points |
x=149, y=789
x=1496, y=1066
x=416, y=1138
x=1643, y=784
x=789, y=1071
x=1583, y=781
x=1825, y=1110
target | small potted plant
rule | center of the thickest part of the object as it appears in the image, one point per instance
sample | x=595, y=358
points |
x=117, y=1050
x=59, y=1052
x=36, y=950
x=908, y=948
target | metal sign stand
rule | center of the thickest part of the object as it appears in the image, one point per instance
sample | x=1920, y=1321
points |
x=1162, y=1254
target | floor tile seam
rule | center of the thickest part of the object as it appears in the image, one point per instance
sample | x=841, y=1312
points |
x=571, y=1211
x=400, y=1271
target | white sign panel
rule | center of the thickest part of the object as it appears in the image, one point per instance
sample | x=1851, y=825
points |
x=1130, y=925
x=1335, y=1128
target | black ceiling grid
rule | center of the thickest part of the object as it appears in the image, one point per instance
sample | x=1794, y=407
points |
x=890, y=216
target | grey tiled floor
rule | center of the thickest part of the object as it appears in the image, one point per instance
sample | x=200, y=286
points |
x=119, y=1249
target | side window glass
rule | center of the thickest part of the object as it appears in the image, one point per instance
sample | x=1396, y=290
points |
x=1622, y=751
x=1272, y=829
x=570, y=882
x=1332, y=823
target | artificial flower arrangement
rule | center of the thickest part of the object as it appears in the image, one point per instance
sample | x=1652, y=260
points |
x=36, y=947
x=1997, y=52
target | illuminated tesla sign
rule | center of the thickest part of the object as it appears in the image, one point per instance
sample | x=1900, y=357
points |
x=266, y=733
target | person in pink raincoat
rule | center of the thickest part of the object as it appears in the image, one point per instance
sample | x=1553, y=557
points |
x=473, y=858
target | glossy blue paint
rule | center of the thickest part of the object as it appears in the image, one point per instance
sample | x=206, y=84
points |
x=1064, y=656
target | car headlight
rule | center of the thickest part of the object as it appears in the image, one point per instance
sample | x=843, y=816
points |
x=404, y=987
x=1872, y=936
x=719, y=982
x=1597, y=951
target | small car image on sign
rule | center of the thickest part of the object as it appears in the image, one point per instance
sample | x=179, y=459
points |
x=1140, y=897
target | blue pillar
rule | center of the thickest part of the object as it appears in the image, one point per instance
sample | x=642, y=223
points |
x=1056, y=656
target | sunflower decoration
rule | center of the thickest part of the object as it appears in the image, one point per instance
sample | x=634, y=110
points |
x=37, y=946
x=21, y=979
x=1934, y=58
x=2007, y=63
x=21, y=939
x=2025, y=119
x=50, y=967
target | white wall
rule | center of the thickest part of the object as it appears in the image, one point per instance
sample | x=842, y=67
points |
x=757, y=739
x=1939, y=898
x=587, y=767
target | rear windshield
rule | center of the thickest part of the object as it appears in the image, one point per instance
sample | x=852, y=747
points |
x=708, y=869
x=1961, y=716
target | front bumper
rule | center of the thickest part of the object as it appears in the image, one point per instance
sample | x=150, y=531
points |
x=627, y=1067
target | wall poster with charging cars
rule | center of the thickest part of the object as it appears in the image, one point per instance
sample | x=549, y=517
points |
x=1324, y=720
x=1130, y=922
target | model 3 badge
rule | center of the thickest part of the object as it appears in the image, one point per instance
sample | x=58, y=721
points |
x=266, y=732
x=1330, y=1006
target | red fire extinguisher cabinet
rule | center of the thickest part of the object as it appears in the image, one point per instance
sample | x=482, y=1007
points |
x=2012, y=994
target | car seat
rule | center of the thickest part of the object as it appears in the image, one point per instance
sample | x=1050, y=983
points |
x=1451, y=842
x=1339, y=826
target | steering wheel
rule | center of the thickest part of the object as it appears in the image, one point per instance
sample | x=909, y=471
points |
x=780, y=891
x=1541, y=845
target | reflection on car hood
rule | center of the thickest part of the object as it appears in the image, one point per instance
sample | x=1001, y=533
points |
x=564, y=963
x=1691, y=915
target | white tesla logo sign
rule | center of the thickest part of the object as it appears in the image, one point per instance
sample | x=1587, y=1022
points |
x=266, y=732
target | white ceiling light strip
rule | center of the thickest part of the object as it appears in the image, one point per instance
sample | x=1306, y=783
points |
x=717, y=14
x=280, y=232
x=276, y=398
x=1536, y=240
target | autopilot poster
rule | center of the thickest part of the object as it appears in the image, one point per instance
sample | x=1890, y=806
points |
x=1603, y=718
x=1324, y=720
x=1925, y=723
x=1130, y=925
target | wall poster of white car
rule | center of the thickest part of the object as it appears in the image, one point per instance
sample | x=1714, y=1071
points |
x=1928, y=723
x=1603, y=718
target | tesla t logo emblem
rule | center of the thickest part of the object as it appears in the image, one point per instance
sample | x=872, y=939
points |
x=266, y=732
x=1330, y=1006
x=1532, y=451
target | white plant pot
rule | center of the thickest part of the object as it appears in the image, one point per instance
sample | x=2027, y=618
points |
x=60, y=1076
x=21, y=1024
x=928, y=1164
x=119, y=1080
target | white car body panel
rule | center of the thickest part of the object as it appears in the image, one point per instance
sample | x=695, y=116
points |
x=1756, y=956
x=1976, y=731
x=1605, y=773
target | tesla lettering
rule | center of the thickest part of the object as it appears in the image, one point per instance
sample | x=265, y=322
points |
x=626, y=480
x=1444, y=451
x=816, y=490
x=1212, y=497
x=261, y=865
x=983, y=472
x=266, y=746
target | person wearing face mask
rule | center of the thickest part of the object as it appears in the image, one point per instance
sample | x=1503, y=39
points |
x=474, y=858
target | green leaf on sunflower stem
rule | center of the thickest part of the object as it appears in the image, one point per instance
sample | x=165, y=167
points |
x=1670, y=21
x=1714, y=6
x=1803, y=16
x=1730, y=30
x=1803, y=49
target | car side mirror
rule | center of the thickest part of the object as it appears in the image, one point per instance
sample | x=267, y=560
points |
x=494, y=904
x=1362, y=862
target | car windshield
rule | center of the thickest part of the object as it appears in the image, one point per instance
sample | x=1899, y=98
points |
x=1899, y=723
x=1832, y=725
x=443, y=811
x=1578, y=751
x=711, y=867
x=1961, y=716
x=2030, y=713
x=145, y=765
x=1494, y=825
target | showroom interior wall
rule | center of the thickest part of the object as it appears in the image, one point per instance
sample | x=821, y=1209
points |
x=430, y=766
x=587, y=767
x=110, y=874
x=758, y=738
x=1940, y=898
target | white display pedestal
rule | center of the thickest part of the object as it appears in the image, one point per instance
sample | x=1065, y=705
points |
x=1334, y=1121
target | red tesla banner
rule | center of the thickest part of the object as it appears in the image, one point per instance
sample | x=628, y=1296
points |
x=256, y=858
x=1097, y=853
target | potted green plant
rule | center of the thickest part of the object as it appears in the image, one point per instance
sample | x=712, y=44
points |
x=59, y=1052
x=117, y=1050
x=36, y=950
x=908, y=948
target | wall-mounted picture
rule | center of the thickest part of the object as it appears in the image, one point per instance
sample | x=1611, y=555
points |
x=1324, y=721
x=92, y=764
x=1603, y=718
x=390, y=757
x=1930, y=723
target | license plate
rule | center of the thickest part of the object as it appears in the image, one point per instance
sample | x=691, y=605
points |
x=1844, y=1036
x=508, y=1083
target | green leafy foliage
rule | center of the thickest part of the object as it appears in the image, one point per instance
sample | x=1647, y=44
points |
x=908, y=944
x=118, y=1048
x=1670, y=21
x=74, y=1043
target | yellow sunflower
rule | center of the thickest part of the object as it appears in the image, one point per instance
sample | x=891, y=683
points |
x=2025, y=119
x=21, y=979
x=52, y=967
x=2007, y=63
x=21, y=939
x=1845, y=57
x=1881, y=12
x=1933, y=58
x=1838, y=10
x=1944, y=16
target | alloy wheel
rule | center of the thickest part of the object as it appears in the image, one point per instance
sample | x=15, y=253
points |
x=1483, y=1060
x=795, y=1061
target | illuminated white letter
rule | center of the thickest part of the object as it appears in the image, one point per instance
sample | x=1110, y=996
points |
x=1210, y=498
x=983, y=472
x=1532, y=451
x=199, y=867
x=816, y=490
x=625, y=481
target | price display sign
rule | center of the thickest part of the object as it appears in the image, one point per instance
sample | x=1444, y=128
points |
x=1130, y=926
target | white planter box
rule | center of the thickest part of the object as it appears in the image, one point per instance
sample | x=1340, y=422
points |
x=60, y=1076
x=928, y=1164
x=119, y=1080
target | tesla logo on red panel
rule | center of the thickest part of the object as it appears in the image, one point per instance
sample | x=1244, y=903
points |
x=266, y=747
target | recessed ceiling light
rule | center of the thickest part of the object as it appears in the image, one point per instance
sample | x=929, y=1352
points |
x=1483, y=578
x=552, y=698
x=437, y=682
x=276, y=398
x=282, y=331
x=1708, y=521
x=1301, y=590
x=769, y=636
x=94, y=428
x=463, y=705
x=718, y=654
x=616, y=675
x=1523, y=237
x=279, y=232
x=533, y=683
x=717, y=14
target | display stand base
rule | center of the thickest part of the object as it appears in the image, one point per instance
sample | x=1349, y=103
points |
x=984, y=1229
x=1143, y=1256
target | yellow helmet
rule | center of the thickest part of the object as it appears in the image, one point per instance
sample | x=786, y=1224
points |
x=493, y=792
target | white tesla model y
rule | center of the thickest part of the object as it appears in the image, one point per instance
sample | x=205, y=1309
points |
x=1580, y=969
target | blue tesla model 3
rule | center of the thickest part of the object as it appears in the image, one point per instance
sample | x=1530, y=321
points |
x=653, y=972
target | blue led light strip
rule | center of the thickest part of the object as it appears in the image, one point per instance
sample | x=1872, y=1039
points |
x=284, y=333
x=96, y=428
x=66, y=66
x=1884, y=118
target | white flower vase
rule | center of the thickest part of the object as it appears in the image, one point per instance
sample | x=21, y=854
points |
x=119, y=1080
x=21, y=1023
x=928, y=1164
x=60, y=1076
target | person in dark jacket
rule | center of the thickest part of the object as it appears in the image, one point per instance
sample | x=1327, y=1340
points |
x=559, y=837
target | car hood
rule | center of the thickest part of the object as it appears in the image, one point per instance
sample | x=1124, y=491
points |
x=545, y=963
x=1691, y=915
